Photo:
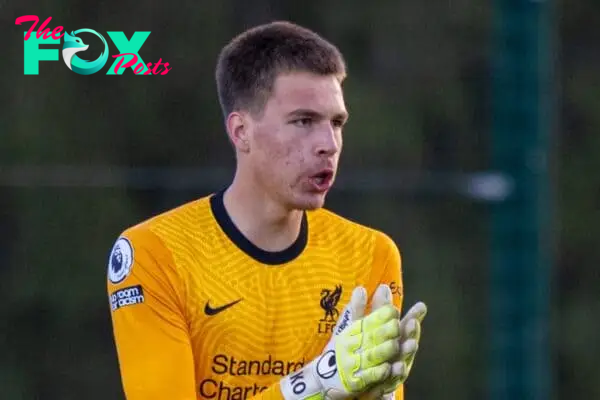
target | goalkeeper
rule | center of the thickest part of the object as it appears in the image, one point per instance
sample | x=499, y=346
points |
x=238, y=295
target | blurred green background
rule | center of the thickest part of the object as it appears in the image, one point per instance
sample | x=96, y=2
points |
x=83, y=157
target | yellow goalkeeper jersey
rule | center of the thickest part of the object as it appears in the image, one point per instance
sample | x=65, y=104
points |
x=199, y=312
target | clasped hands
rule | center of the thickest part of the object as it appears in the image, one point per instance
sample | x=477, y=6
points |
x=368, y=356
x=375, y=352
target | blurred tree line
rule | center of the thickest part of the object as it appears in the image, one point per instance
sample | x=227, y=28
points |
x=418, y=94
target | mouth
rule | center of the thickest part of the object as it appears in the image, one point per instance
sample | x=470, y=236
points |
x=322, y=180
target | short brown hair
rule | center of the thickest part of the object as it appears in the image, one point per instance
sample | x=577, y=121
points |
x=248, y=66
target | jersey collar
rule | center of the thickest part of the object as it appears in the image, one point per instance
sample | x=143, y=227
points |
x=237, y=237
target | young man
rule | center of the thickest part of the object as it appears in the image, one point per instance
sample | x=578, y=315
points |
x=237, y=295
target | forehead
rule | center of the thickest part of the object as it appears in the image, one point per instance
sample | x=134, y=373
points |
x=322, y=94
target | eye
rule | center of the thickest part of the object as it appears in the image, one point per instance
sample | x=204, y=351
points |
x=337, y=123
x=303, y=122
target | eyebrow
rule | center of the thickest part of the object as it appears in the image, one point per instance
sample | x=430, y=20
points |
x=305, y=112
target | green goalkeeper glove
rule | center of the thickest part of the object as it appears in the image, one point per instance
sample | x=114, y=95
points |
x=356, y=358
x=410, y=335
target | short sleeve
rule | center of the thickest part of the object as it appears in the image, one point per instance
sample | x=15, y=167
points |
x=149, y=325
x=387, y=267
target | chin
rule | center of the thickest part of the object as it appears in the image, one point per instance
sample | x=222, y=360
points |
x=309, y=202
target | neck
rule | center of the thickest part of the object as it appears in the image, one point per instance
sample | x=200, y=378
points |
x=265, y=222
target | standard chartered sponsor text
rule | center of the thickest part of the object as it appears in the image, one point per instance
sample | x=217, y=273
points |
x=232, y=384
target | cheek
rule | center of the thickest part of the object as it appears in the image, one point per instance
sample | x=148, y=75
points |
x=280, y=160
x=276, y=154
x=293, y=156
x=281, y=154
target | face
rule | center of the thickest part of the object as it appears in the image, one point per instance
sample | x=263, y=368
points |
x=293, y=148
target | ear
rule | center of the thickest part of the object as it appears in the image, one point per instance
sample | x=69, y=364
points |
x=238, y=126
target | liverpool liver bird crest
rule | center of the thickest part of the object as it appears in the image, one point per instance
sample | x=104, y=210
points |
x=329, y=300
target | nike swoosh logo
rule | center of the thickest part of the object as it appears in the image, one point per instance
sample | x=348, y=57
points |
x=208, y=310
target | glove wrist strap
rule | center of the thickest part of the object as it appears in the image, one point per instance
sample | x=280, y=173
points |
x=302, y=385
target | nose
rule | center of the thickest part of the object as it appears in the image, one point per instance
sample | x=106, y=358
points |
x=329, y=142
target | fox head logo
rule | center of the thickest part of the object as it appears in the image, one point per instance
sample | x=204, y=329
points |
x=73, y=44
